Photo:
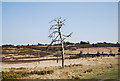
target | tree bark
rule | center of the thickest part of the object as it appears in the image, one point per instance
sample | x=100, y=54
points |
x=62, y=42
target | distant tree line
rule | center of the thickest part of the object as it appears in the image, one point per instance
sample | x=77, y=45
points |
x=80, y=44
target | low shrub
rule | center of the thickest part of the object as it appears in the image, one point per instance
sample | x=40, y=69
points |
x=50, y=71
x=42, y=72
x=87, y=52
x=102, y=53
x=80, y=64
x=88, y=70
x=76, y=77
x=110, y=66
x=73, y=65
x=15, y=75
x=21, y=68
x=81, y=52
x=98, y=52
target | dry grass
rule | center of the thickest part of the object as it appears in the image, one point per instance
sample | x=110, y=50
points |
x=80, y=68
x=91, y=69
x=69, y=72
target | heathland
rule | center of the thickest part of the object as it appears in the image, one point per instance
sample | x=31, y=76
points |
x=82, y=61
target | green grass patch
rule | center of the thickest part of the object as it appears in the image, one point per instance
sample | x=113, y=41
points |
x=111, y=73
x=101, y=73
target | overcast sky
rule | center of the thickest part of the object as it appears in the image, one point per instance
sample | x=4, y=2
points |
x=28, y=22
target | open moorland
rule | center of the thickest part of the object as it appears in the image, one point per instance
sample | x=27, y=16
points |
x=81, y=62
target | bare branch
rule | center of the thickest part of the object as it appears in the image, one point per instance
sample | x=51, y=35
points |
x=68, y=35
x=53, y=20
x=63, y=39
x=50, y=36
x=52, y=41
x=63, y=23
x=53, y=34
x=53, y=26
x=64, y=20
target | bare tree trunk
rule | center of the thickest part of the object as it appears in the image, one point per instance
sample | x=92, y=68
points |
x=62, y=42
x=62, y=54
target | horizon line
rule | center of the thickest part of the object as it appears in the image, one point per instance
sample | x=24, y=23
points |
x=65, y=41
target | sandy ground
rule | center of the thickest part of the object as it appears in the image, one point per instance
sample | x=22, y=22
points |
x=85, y=61
x=94, y=50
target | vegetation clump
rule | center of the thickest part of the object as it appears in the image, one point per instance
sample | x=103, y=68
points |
x=71, y=65
x=88, y=70
x=42, y=72
x=13, y=75
x=76, y=77
x=19, y=74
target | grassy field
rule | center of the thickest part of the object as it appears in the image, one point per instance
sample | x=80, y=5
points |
x=75, y=71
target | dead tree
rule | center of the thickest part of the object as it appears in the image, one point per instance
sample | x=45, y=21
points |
x=57, y=35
